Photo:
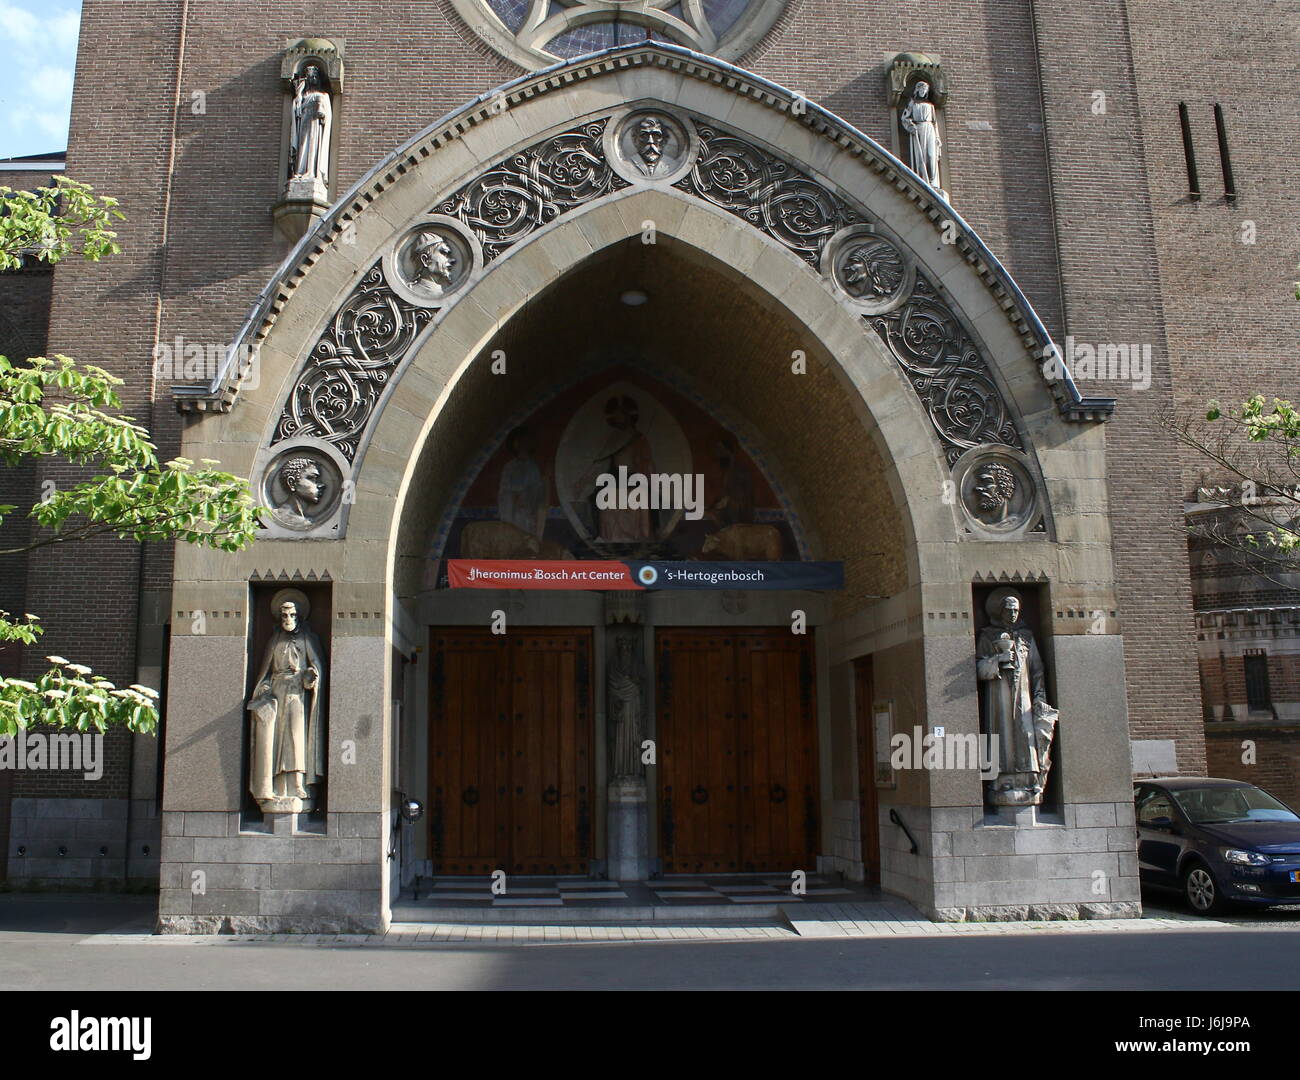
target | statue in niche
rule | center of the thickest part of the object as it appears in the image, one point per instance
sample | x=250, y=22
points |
x=302, y=480
x=995, y=486
x=1013, y=703
x=624, y=680
x=435, y=262
x=920, y=121
x=313, y=116
x=288, y=739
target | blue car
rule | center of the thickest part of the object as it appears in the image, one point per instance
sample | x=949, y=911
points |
x=1218, y=842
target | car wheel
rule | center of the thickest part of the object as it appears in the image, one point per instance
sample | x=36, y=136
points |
x=1201, y=890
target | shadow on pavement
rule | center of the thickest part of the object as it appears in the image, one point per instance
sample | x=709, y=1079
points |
x=77, y=913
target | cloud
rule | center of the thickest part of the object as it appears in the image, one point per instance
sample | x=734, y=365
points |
x=40, y=39
x=51, y=85
x=23, y=26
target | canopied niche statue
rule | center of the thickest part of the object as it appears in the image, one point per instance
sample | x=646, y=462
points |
x=287, y=733
x=624, y=694
x=311, y=72
x=921, y=123
x=1013, y=703
x=313, y=119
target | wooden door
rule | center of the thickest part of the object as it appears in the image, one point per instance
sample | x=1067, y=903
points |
x=509, y=751
x=698, y=752
x=868, y=797
x=778, y=759
x=737, y=738
x=550, y=742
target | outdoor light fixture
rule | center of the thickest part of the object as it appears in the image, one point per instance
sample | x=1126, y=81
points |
x=407, y=812
x=634, y=298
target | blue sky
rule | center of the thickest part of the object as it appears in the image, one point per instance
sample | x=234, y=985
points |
x=38, y=50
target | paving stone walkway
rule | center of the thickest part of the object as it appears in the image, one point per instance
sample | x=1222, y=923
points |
x=879, y=919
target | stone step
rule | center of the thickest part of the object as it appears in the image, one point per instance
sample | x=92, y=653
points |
x=408, y=911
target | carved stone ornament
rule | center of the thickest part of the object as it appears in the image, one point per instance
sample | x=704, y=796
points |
x=1013, y=703
x=301, y=488
x=649, y=145
x=948, y=371
x=871, y=266
x=997, y=492
x=286, y=714
x=533, y=187
x=338, y=392
x=432, y=260
x=907, y=68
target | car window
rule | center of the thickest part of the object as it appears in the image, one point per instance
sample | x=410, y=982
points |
x=1218, y=805
x=1153, y=803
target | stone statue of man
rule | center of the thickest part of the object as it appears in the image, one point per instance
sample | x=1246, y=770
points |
x=288, y=738
x=921, y=124
x=313, y=116
x=624, y=704
x=1013, y=704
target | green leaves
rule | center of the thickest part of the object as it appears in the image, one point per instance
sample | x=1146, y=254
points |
x=169, y=502
x=26, y=631
x=51, y=223
x=70, y=696
x=50, y=407
x=136, y=498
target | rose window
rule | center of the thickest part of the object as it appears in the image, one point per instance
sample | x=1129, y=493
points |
x=537, y=33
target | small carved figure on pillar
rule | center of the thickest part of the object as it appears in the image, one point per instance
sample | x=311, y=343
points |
x=624, y=692
x=288, y=738
x=1013, y=703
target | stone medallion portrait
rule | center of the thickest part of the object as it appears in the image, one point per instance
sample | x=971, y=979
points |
x=996, y=490
x=301, y=488
x=432, y=260
x=650, y=144
x=870, y=267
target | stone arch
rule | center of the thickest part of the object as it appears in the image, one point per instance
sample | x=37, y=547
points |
x=943, y=283
x=427, y=389
x=920, y=617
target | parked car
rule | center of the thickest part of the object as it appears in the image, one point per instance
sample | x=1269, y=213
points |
x=1218, y=842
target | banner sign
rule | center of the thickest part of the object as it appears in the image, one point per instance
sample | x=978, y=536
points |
x=589, y=574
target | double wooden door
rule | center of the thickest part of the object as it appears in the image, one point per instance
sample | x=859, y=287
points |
x=737, y=751
x=510, y=746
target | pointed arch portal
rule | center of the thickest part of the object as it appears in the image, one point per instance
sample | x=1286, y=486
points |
x=654, y=226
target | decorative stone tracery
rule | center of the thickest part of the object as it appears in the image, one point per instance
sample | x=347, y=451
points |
x=357, y=355
x=536, y=33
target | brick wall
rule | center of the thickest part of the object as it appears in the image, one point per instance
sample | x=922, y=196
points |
x=1276, y=752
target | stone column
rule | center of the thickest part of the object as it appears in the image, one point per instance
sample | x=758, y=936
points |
x=626, y=719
